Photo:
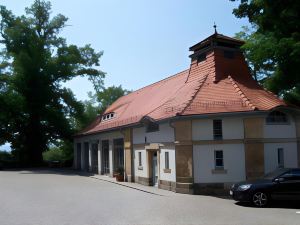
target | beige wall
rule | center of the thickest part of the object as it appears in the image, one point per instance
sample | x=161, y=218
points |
x=254, y=151
x=184, y=148
x=128, y=154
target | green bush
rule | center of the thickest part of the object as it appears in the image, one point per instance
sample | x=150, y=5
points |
x=54, y=154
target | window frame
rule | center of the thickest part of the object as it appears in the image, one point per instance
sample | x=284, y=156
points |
x=219, y=158
x=218, y=132
x=201, y=58
x=154, y=128
x=167, y=160
x=279, y=163
x=140, y=158
x=277, y=118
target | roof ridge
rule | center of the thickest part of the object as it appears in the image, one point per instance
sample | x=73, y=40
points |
x=241, y=93
x=194, y=95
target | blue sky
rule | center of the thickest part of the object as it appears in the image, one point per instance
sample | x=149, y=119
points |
x=143, y=41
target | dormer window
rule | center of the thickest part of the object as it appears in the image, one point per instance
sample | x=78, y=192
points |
x=108, y=116
x=276, y=117
x=152, y=127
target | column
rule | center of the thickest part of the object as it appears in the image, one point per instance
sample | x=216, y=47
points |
x=82, y=156
x=128, y=155
x=111, y=158
x=90, y=156
x=99, y=157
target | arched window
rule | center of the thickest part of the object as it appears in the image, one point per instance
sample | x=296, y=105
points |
x=276, y=117
x=108, y=116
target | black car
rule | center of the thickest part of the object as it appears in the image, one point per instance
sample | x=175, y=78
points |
x=282, y=184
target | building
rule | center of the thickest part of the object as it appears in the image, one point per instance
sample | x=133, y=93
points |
x=197, y=131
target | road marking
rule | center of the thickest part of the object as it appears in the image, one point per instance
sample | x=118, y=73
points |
x=298, y=212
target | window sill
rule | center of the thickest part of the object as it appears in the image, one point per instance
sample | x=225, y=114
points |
x=167, y=170
x=140, y=168
x=219, y=171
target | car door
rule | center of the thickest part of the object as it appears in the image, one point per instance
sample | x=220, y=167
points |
x=287, y=186
x=296, y=183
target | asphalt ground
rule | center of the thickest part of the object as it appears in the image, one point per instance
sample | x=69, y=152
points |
x=54, y=197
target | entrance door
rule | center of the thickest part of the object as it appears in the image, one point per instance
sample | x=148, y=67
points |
x=154, y=169
x=105, y=157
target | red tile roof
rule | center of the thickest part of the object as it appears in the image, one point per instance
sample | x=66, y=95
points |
x=216, y=85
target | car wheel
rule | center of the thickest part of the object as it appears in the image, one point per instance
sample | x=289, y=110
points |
x=260, y=199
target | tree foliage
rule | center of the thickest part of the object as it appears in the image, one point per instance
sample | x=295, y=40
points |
x=34, y=62
x=100, y=101
x=273, y=45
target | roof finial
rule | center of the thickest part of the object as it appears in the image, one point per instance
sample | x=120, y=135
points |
x=215, y=26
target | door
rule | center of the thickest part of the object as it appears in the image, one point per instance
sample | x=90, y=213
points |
x=154, y=169
x=288, y=186
x=105, y=157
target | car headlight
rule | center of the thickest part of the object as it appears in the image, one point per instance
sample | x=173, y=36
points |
x=244, y=187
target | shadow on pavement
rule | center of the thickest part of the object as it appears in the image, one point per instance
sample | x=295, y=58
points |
x=59, y=171
x=274, y=204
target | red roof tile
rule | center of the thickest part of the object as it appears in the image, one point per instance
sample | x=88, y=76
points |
x=216, y=85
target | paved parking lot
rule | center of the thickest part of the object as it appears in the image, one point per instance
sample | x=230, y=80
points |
x=42, y=197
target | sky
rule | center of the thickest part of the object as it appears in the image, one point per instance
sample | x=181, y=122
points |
x=143, y=41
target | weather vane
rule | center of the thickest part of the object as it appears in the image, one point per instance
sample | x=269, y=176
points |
x=215, y=26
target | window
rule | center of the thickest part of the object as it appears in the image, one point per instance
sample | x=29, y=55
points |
x=229, y=54
x=280, y=157
x=140, y=159
x=217, y=129
x=201, y=58
x=167, y=166
x=276, y=117
x=152, y=127
x=108, y=116
x=296, y=174
x=219, y=161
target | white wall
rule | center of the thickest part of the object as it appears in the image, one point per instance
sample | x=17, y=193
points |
x=168, y=176
x=233, y=128
x=271, y=157
x=144, y=171
x=234, y=163
x=165, y=134
x=280, y=130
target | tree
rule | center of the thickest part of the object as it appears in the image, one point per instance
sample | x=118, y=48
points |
x=100, y=101
x=274, y=44
x=35, y=61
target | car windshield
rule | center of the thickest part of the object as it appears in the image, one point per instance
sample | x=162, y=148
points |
x=275, y=173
